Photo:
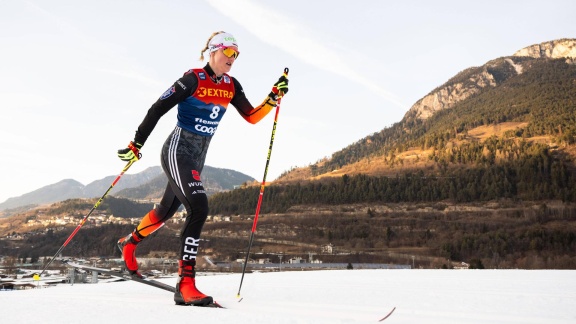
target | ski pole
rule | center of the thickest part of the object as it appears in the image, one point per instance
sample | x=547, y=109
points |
x=128, y=165
x=262, y=186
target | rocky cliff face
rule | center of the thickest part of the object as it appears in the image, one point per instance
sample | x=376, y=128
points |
x=446, y=96
x=473, y=80
x=553, y=49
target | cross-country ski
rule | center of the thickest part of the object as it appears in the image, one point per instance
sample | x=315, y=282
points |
x=388, y=315
x=128, y=276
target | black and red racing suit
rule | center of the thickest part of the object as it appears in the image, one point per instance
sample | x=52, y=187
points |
x=202, y=100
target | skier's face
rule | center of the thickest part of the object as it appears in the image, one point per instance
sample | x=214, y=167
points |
x=221, y=63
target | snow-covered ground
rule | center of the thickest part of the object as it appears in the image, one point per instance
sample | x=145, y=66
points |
x=339, y=296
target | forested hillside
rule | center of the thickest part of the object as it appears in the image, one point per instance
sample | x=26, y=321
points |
x=544, y=97
x=457, y=167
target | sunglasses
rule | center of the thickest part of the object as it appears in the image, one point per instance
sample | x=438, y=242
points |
x=230, y=52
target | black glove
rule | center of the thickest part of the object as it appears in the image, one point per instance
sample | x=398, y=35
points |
x=131, y=153
x=279, y=89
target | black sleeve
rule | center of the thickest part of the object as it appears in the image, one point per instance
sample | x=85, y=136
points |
x=180, y=90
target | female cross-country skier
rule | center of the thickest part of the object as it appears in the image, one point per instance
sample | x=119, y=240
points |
x=202, y=96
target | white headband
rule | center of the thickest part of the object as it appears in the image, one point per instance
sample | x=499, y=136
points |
x=221, y=40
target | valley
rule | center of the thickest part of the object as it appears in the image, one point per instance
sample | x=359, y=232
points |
x=496, y=235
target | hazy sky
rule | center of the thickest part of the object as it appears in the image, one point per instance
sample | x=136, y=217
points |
x=77, y=77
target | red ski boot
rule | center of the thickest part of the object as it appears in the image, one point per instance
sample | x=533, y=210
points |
x=186, y=291
x=127, y=246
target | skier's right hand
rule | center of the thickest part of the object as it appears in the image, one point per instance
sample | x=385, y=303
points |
x=131, y=153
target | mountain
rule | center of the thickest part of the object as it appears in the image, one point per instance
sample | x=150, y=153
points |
x=98, y=187
x=491, y=75
x=149, y=183
x=214, y=179
x=529, y=96
x=504, y=130
x=61, y=190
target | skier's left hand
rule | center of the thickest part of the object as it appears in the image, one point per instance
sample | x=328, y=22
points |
x=280, y=88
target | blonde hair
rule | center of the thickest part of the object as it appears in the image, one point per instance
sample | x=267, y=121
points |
x=208, y=44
